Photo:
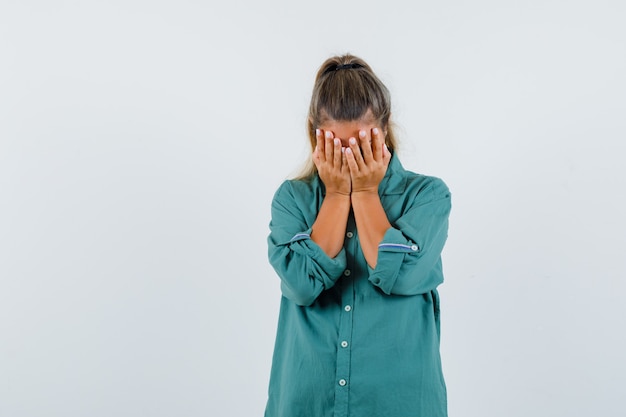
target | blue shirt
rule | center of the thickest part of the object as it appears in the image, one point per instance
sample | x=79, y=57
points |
x=353, y=341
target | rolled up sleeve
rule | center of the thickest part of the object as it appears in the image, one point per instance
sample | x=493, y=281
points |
x=304, y=268
x=409, y=256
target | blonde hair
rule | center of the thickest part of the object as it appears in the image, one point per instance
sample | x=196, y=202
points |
x=345, y=89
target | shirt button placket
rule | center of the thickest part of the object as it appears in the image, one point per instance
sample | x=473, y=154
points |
x=343, y=363
x=343, y=350
x=344, y=342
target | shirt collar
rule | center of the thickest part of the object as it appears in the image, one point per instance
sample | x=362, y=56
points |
x=394, y=181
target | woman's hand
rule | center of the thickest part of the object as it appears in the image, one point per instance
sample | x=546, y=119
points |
x=368, y=159
x=331, y=163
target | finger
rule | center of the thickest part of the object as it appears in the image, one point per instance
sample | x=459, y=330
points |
x=337, y=153
x=366, y=146
x=377, y=144
x=386, y=155
x=319, y=149
x=356, y=153
x=344, y=161
x=350, y=159
x=328, y=146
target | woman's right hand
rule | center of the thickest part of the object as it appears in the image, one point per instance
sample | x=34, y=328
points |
x=331, y=163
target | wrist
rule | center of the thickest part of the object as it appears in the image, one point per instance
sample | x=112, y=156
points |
x=337, y=194
x=366, y=191
x=360, y=197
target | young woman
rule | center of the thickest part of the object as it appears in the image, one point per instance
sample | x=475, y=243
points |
x=356, y=241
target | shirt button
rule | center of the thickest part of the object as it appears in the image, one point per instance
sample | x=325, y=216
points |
x=347, y=272
x=349, y=234
x=347, y=308
x=414, y=247
x=342, y=382
x=344, y=344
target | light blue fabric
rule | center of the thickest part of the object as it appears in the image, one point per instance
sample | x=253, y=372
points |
x=352, y=340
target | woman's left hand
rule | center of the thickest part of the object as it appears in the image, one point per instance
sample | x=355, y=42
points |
x=368, y=159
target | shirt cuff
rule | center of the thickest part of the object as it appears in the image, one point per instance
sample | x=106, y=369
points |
x=325, y=269
x=391, y=254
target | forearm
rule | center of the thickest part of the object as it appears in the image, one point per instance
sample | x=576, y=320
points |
x=371, y=222
x=329, y=228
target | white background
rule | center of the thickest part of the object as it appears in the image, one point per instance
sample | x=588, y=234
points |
x=141, y=144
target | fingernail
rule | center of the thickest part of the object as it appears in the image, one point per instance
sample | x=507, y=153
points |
x=328, y=135
x=361, y=134
x=352, y=141
x=375, y=130
x=317, y=132
x=337, y=142
x=348, y=150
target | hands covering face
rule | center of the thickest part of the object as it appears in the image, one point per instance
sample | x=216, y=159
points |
x=359, y=167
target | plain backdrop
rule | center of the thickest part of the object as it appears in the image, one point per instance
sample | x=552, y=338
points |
x=141, y=143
